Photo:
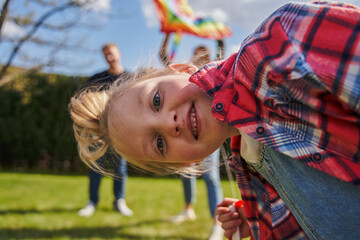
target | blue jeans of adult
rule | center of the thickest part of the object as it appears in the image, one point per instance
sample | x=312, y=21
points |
x=324, y=206
x=118, y=185
x=212, y=180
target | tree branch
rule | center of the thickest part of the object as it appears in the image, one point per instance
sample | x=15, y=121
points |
x=4, y=11
x=32, y=32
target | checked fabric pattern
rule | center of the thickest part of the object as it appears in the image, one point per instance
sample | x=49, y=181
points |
x=294, y=85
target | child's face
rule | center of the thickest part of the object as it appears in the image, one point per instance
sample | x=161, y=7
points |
x=168, y=119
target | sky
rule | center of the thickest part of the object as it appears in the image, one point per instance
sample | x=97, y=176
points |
x=136, y=30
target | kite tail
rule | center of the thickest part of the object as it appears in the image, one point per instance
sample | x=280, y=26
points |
x=175, y=45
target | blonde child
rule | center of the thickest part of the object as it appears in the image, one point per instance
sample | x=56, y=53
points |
x=290, y=100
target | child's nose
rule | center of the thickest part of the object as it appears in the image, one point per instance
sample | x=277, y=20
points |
x=172, y=125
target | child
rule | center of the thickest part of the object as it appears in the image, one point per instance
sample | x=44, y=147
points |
x=290, y=100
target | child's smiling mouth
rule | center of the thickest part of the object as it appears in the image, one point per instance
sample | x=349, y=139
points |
x=193, y=122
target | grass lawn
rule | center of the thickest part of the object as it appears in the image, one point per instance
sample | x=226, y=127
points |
x=40, y=206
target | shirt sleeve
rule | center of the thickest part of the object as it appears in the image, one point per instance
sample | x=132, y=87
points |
x=309, y=50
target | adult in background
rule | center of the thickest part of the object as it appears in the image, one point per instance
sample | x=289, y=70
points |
x=100, y=82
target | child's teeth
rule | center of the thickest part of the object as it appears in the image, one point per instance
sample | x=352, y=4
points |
x=194, y=123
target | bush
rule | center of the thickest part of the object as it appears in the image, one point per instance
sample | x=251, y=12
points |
x=35, y=125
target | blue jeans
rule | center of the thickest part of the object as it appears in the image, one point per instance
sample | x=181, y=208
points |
x=118, y=185
x=212, y=180
x=324, y=206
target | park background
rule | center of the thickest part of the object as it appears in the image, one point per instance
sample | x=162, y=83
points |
x=43, y=182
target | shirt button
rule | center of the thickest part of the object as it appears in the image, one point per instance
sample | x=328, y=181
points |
x=317, y=157
x=260, y=131
x=286, y=99
x=219, y=107
x=269, y=103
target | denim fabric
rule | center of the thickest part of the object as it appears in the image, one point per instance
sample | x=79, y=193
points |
x=324, y=206
x=118, y=185
x=189, y=186
x=212, y=180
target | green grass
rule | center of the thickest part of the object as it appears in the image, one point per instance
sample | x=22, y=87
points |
x=39, y=206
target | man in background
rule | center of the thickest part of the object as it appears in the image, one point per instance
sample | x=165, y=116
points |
x=100, y=82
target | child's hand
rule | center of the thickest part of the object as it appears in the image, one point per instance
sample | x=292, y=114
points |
x=232, y=220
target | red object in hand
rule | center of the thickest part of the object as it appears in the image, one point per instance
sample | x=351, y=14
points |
x=233, y=207
x=239, y=204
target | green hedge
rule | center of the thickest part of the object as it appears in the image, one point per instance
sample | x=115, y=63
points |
x=35, y=124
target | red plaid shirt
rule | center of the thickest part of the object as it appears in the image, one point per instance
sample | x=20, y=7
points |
x=294, y=85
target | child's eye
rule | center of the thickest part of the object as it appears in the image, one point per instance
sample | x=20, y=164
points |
x=156, y=101
x=160, y=144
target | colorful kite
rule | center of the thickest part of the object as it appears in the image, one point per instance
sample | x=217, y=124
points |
x=177, y=16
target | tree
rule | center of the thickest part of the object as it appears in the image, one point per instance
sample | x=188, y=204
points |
x=46, y=25
x=3, y=14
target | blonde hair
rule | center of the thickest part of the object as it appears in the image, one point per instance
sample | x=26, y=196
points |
x=94, y=129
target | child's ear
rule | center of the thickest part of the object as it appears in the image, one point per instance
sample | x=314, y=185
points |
x=183, y=67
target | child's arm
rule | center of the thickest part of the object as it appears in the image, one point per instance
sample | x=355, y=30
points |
x=316, y=43
x=220, y=50
x=231, y=221
x=164, y=58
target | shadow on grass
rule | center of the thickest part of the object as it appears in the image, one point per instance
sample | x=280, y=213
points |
x=86, y=233
x=35, y=211
x=119, y=232
x=49, y=211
